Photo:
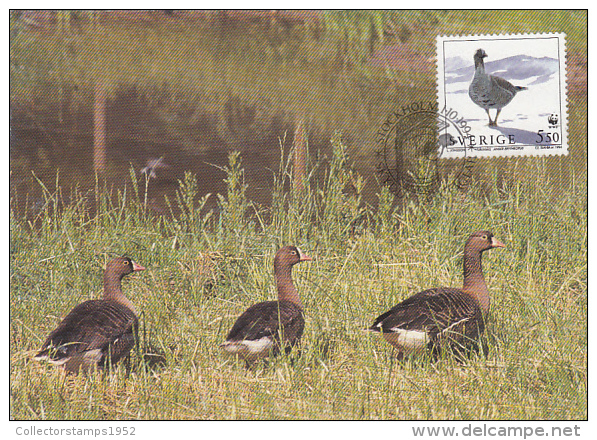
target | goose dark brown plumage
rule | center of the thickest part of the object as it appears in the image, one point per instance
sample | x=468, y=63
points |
x=443, y=316
x=269, y=327
x=96, y=332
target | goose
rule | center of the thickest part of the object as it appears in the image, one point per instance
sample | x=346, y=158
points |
x=269, y=327
x=96, y=332
x=152, y=165
x=490, y=91
x=443, y=316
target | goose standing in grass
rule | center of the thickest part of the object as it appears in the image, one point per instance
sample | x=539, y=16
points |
x=490, y=91
x=152, y=165
x=442, y=317
x=271, y=326
x=99, y=331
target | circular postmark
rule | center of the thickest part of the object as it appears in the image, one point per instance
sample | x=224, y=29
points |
x=414, y=139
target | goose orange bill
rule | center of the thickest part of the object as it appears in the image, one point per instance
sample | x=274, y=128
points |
x=304, y=257
x=137, y=266
x=496, y=243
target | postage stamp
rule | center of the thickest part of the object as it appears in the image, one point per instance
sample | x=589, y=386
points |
x=510, y=89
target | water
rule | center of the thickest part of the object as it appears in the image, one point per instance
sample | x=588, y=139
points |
x=186, y=91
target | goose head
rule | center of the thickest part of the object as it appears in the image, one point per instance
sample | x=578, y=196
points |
x=482, y=241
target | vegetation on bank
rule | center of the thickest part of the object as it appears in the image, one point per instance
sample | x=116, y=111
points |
x=204, y=267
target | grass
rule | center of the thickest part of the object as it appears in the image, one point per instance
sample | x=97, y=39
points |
x=205, y=268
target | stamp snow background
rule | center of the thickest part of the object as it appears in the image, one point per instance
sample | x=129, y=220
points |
x=531, y=63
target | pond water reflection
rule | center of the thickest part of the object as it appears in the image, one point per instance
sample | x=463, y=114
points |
x=187, y=90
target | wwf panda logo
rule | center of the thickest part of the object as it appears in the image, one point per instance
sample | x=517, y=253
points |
x=553, y=119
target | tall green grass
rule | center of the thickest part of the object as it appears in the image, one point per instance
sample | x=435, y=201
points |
x=204, y=268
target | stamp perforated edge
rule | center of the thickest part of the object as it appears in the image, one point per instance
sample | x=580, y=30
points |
x=563, y=62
